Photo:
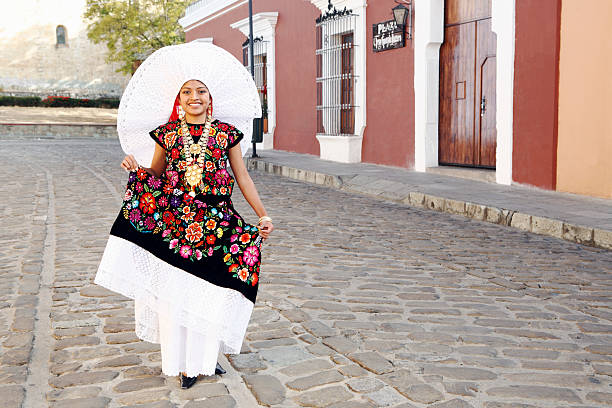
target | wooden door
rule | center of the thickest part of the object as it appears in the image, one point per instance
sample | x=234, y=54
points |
x=467, y=135
x=264, y=90
x=486, y=132
x=347, y=112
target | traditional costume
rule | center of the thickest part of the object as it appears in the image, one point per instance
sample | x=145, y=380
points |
x=178, y=247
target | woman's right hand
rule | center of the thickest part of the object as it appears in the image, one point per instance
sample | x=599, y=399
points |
x=129, y=163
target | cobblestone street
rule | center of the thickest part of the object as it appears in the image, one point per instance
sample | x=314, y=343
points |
x=362, y=303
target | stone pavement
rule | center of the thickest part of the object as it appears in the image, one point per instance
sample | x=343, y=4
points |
x=363, y=303
x=47, y=123
x=575, y=218
x=73, y=116
x=572, y=217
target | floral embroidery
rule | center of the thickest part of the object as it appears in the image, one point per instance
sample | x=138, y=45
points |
x=193, y=233
x=251, y=255
x=194, y=227
x=147, y=203
x=170, y=138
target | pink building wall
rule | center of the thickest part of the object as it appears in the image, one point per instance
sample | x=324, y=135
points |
x=536, y=83
x=295, y=66
x=389, y=135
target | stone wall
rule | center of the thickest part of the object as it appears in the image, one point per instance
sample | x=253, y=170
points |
x=31, y=61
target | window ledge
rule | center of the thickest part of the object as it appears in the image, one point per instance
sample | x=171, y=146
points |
x=340, y=148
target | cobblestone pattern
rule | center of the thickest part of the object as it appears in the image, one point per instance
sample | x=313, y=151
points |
x=399, y=193
x=56, y=131
x=37, y=115
x=363, y=303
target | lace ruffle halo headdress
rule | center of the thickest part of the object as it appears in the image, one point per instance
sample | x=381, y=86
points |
x=151, y=94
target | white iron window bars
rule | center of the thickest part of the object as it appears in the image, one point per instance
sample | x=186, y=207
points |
x=335, y=57
x=260, y=51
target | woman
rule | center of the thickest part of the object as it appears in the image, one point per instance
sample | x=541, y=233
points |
x=179, y=248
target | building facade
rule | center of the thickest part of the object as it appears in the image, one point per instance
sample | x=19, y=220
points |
x=507, y=87
x=44, y=50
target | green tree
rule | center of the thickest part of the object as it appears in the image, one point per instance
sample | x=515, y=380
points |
x=133, y=29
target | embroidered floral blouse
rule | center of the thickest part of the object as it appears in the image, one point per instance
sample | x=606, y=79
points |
x=203, y=235
x=216, y=179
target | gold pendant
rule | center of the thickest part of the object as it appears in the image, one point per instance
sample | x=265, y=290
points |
x=195, y=149
x=193, y=175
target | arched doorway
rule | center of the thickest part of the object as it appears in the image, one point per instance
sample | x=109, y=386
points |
x=467, y=111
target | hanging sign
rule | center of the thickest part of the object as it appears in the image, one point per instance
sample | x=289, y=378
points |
x=387, y=36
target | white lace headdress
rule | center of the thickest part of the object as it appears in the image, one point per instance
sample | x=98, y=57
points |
x=149, y=97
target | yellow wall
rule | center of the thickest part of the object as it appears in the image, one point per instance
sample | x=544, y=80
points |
x=584, y=153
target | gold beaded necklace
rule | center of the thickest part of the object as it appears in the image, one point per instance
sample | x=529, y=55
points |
x=195, y=152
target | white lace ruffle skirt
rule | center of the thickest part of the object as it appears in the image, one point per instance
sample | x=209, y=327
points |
x=192, y=319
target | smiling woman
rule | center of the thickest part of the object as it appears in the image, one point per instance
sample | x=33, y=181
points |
x=194, y=99
x=178, y=247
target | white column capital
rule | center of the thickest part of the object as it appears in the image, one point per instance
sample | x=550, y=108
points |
x=263, y=24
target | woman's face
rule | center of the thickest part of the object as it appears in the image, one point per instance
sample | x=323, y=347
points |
x=194, y=98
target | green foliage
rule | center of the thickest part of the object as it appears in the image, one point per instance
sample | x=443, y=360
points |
x=108, y=103
x=58, y=102
x=67, y=102
x=19, y=101
x=133, y=29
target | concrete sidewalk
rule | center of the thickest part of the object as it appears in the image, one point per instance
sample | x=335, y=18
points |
x=18, y=122
x=575, y=218
x=19, y=115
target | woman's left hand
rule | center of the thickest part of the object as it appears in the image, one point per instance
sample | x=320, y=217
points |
x=265, y=228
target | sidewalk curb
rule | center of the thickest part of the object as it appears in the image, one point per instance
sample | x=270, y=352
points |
x=526, y=222
x=57, y=130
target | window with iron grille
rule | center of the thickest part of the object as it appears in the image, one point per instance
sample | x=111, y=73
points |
x=260, y=48
x=335, y=56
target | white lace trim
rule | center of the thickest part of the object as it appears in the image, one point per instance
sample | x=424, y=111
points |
x=215, y=315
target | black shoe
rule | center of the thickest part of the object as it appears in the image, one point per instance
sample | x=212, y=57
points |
x=219, y=370
x=187, y=382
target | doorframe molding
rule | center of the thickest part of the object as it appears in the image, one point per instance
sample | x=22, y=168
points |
x=503, y=24
x=429, y=35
